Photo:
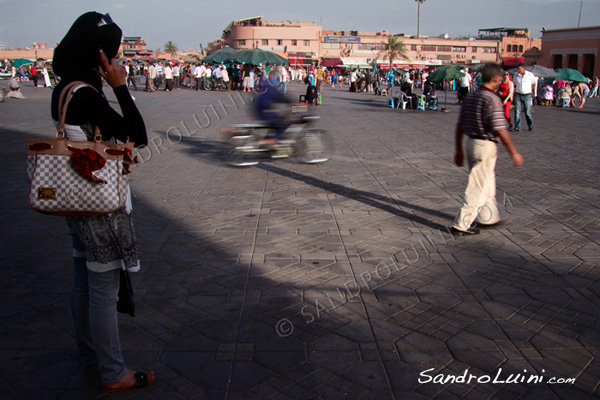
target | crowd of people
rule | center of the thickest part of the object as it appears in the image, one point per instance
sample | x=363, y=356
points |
x=167, y=76
x=38, y=72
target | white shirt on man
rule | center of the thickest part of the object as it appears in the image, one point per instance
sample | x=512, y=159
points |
x=465, y=81
x=283, y=74
x=224, y=75
x=524, y=83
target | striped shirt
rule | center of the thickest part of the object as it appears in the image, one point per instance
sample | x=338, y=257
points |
x=482, y=115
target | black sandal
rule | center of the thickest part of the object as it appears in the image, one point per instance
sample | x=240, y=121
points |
x=141, y=380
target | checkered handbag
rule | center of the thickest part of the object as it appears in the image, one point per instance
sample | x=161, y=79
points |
x=77, y=178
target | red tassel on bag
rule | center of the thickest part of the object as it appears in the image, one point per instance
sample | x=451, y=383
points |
x=128, y=158
x=86, y=161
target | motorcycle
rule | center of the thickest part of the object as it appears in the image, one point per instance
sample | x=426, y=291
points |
x=215, y=84
x=245, y=144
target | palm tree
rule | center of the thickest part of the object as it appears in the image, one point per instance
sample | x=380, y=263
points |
x=395, y=49
x=170, y=47
x=419, y=14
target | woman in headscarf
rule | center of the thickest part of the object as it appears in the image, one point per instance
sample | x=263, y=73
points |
x=105, y=244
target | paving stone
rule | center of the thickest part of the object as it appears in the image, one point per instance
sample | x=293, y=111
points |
x=236, y=262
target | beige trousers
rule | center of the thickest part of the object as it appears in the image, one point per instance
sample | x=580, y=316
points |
x=480, y=196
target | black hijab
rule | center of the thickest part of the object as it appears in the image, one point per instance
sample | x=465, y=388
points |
x=76, y=57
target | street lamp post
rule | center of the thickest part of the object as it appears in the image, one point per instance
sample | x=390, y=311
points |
x=418, y=15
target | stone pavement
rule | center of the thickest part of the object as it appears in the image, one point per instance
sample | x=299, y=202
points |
x=330, y=281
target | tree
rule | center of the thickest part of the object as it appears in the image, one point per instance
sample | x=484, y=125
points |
x=419, y=14
x=170, y=47
x=395, y=49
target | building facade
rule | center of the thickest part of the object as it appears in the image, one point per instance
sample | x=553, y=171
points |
x=306, y=43
x=364, y=48
x=135, y=47
x=516, y=45
x=36, y=52
x=575, y=48
x=297, y=41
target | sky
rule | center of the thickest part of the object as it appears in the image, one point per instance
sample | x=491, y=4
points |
x=191, y=23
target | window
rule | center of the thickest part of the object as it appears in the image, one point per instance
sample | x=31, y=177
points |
x=372, y=46
x=520, y=48
x=428, y=47
x=473, y=49
x=572, y=61
x=444, y=48
x=509, y=48
x=279, y=42
x=413, y=47
x=331, y=45
x=294, y=42
x=488, y=50
x=241, y=42
x=459, y=49
x=557, y=61
x=265, y=42
x=307, y=42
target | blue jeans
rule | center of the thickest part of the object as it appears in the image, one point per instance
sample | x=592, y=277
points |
x=94, y=309
x=523, y=102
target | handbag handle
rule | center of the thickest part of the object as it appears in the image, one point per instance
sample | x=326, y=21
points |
x=63, y=103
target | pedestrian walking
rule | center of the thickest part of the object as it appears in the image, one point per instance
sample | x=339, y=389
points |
x=525, y=83
x=131, y=75
x=482, y=121
x=150, y=77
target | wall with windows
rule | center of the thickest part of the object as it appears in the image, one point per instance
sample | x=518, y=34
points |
x=307, y=40
x=364, y=47
x=515, y=47
x=576, y=48
x=277, y=37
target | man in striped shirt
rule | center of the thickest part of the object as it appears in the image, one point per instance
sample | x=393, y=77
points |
x=482, y=122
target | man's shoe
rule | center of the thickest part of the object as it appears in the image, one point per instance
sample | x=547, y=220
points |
x=531, y=128
x=488, y=226
x=516, y=130
x=468, y=232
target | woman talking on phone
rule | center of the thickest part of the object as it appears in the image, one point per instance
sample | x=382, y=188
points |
x=104, y=244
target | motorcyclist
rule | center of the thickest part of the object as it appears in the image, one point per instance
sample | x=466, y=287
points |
x=273, y=107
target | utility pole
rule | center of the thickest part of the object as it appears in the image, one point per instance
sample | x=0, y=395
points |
x=418, y=16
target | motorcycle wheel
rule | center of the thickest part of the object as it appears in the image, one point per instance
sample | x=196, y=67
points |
x=312, y=146
x=238, y=151
x=208, y=85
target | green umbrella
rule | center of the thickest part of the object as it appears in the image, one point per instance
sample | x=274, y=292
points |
x=224, y=55
x=446, y=73
x=568, y=74
x=259, y=56
x=539, y=71
x=21, y=61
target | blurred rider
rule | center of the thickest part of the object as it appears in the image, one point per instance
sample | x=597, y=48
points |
x=273, y=107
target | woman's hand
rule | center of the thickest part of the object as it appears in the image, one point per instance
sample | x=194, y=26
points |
x=113, y=73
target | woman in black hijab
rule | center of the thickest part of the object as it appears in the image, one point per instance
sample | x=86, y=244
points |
x=88, y=53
